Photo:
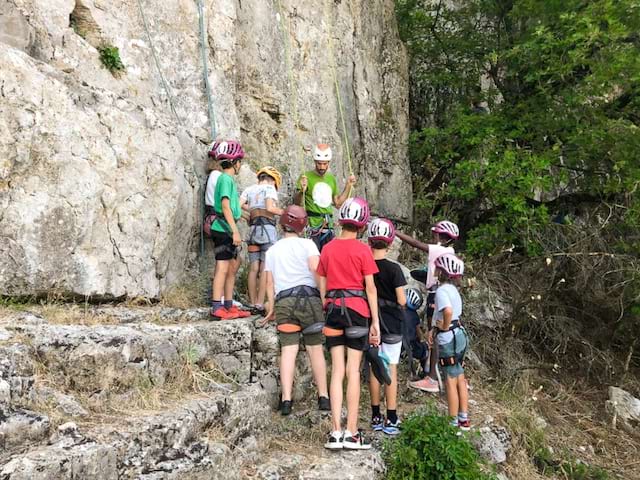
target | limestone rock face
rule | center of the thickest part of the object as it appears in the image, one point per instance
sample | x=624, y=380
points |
x=101, y=174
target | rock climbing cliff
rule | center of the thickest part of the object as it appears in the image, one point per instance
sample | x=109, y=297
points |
x=101, y=173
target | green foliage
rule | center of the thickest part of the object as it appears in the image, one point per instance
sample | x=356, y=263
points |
x=553, y=123
x=430, y=448
x=110, y=58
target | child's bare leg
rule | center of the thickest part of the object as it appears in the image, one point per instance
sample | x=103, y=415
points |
x=220, y=278
x=463, y=393
x=230, y=280
x=335, y=389
x=318, y=367
x=374, y=389
x=287, y=369
x=262, y=286
x=353, y=388
x=452, y=396
x=391, y=391
x=252, y=282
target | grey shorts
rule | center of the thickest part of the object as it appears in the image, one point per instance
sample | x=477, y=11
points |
x=308, y=311
x=446, y=350
x=259, y=255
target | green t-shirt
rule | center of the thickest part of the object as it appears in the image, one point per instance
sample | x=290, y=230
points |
x=226, y=188
x=319, y=196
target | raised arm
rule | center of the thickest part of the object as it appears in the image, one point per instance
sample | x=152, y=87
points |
x=338, y=200
x=412, y=242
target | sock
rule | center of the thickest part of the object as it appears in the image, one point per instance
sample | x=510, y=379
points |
x=392, y=416
x=336, y=434
x=347, y=434
x=463, y=416
x=375, y=411
x=228, y=304
x=454, y=422
x=215, y=304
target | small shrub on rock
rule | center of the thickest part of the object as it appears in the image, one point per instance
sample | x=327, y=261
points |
x=429, y=448
x=110, y=58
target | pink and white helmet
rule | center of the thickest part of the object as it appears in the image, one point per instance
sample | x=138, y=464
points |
x=452, y=265
x=213, y=148
x=381, y=229
x=322, y=153
x=229, y=150
x=354, y=211
x=446, y=228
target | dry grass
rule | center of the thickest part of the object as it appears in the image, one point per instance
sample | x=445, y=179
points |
x=188, y=294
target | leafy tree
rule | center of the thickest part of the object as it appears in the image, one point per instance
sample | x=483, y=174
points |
x=523, y=111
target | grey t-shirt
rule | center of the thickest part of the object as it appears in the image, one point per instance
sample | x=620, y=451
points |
x=447, y=296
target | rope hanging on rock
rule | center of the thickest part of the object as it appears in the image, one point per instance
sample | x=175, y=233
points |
x=212, y=118
x=157, y=62
x=293, y=91
x=330, y=52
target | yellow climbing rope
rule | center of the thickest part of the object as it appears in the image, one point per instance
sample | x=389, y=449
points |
x=332, y=64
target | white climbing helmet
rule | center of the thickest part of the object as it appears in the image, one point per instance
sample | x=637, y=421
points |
x=322, y=153
x=354, y=211
x=450, y=264
x=381, y=229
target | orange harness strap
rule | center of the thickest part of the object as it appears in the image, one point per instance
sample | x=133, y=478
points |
x=332, y=332
x=289, y=328
x=253, y=248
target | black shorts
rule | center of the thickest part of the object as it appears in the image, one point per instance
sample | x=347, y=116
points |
x=223, y=246
x=335, y=320
x=431, y=300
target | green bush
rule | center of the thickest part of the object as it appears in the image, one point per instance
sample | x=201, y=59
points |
x=110, y=58
x=430, y=448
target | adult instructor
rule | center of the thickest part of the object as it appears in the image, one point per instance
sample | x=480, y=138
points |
x=319, y=189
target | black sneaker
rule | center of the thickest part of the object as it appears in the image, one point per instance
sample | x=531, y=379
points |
x=324, y=404
x=377, y=423
x=356, y=442
x=285, y=407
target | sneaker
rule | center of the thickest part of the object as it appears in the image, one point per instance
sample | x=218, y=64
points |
x=377, y=424
x=257, y=309
x=239, y=313
x=464, y=425
x=324, y=404
x=391, y=428
x=335, y=441
x=221, y=313
x=285, y=407
x=427, y=384
x=356, y=442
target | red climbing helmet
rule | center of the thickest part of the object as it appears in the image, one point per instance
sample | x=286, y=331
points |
x=451, y=264
x=381, y=229
x=294, y=217
x=447, y=228
x=229, y=150
x=354, y=211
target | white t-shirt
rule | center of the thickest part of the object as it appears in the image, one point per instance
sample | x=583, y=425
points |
x=447, y=296
x=210, y=192
x=256, y=195
x=288, y=262
x=435, y=251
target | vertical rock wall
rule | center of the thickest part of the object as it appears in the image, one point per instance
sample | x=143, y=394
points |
x=101, y=174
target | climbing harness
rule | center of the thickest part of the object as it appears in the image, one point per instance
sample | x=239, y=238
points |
x=302, y=294
x=352, y=331
x=456, y=358
x=388, y=337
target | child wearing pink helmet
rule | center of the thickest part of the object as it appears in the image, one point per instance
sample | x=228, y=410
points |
x=390, y=283
x=346, y=271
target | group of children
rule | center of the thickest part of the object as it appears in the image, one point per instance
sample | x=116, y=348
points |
x=348, y=297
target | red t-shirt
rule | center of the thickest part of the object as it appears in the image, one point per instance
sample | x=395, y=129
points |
x=345, y=263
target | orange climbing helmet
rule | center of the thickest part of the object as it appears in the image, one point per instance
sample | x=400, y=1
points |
x=273, y=173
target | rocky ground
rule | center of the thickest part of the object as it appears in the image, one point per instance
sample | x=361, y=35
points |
x=162, y=393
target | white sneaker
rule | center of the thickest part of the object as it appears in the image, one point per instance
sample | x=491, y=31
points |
x=335, y=441
x=356, y=441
